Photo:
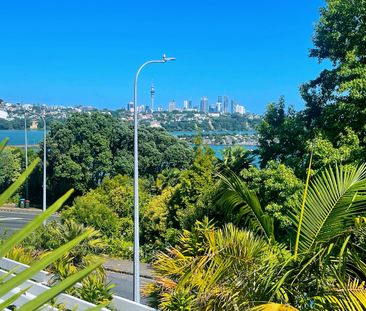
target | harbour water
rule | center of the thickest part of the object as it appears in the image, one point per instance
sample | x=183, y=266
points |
x=16, y=137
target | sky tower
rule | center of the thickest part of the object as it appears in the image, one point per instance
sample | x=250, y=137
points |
x=152, y=94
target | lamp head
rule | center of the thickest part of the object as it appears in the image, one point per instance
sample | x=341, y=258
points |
x=167, y=59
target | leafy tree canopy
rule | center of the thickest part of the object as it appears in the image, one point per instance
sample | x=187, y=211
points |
x=86, y=148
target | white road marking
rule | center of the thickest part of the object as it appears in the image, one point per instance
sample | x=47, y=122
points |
x=10, y=218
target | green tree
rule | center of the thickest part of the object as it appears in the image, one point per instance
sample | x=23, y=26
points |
x=88, y=147
x=347, y=150
x=336, y=99
x=109, y=207
x=282, y=136
x=279, y=192
x=11, y=167
x=187, y=203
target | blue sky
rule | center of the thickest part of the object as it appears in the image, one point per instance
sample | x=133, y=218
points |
x=87, y=52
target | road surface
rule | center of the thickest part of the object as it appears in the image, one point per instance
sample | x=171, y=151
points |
x=12, y=220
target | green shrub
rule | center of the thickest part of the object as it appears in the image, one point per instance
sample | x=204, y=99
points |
x=118, y=247
x=95, y=290
x=90, y=211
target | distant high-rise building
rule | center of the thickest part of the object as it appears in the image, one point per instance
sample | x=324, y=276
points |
x=190, y=104
x=218, y=106
x=152, y=94
x=226, y=104
x=204, y=104
x=130, y=107
x=171, y=106
x=186, y=104
x=233, y=106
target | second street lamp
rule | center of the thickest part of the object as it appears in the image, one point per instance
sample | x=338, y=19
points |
x=136, y=228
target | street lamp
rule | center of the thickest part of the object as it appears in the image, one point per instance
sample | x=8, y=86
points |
x=44, y=204
x=26, y=152
x=136, y=229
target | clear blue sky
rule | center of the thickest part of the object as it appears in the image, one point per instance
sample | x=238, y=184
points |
x=87, y=52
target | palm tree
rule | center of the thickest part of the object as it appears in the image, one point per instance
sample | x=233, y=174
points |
x=313, y=271
x=216, y=269
x=236, y=158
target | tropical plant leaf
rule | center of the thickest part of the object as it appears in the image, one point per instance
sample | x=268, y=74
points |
x=43, y=298
x=236, y=196
x=351, y=296
x=301, y=216
x=39, y=265
x=3, y=143
x=334, y=199
x=274, y=307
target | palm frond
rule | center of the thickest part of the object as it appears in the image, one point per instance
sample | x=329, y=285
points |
x=301, y=216
x=3, y=144
x=274, y=307
x=351, y=296
x=333, y=201
x=237, y=196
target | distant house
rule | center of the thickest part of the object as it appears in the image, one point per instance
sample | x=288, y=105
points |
x=34, y=125
x=155, y=124
x=3, y=114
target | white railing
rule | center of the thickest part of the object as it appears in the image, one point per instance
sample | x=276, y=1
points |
x=38, y=284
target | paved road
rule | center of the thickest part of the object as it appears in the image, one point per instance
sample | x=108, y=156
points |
x=12, y=220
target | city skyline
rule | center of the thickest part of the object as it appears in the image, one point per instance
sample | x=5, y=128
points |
x=204, y=105
x=86, y=53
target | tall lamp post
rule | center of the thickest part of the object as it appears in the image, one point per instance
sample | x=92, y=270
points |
x=136, y=228
x=26, y=152
x=44, y=205
x=43, y=117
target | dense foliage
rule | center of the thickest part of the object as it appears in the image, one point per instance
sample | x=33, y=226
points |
x=89, y=147
x=11, y=167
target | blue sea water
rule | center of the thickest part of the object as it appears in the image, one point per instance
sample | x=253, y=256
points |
x=16, y=137
x=194, y=133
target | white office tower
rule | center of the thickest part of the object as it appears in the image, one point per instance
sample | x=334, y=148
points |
x=171, y=106
x=219, y=107
x=186, y=105
x=219, y=104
